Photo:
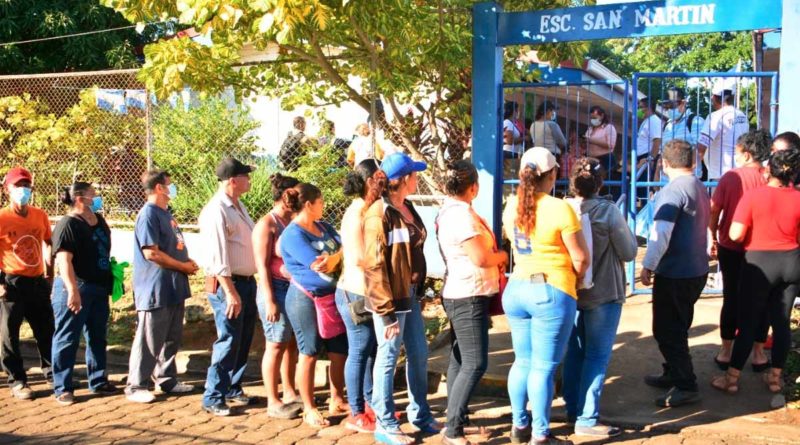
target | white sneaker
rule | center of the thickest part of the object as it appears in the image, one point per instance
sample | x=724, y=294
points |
x=141, y=396
x=181, y=388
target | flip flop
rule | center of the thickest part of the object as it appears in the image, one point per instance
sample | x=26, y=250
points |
x=315, y=419
x=395, y=437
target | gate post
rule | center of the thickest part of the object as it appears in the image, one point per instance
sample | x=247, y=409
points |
x=487, y=102
x=789, y=114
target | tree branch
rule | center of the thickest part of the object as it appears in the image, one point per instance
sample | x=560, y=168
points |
x=334, y=75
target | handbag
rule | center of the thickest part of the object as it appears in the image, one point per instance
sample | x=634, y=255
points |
x=329, y=321
x=358, y=309
x=496, y=301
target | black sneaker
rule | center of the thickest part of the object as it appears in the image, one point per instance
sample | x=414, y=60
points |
x=662, y=380
x=677, y=397
x=106, y=389
x=220, y=410
x=520, y=435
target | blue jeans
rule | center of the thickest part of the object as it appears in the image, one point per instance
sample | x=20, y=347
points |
x=302, y=314
x=540, y=317
x=587, y=359
x=412, y=335
x=234, y=336
x=92, y=322
x=362, y=347
x=281, y=330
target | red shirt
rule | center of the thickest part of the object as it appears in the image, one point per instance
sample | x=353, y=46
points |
x=727, y=195
x=772, y=216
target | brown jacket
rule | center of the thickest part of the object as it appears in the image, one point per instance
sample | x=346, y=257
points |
x=387, y=260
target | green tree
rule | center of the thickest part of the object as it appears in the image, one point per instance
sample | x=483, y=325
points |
x=681, y=53
x=34, y=19
x=415, y=56
x=188, y=142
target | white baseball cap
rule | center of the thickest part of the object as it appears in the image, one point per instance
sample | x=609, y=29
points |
x=538, y=158
x=721, y=85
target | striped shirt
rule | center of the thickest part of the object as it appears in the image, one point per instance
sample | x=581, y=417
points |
x=227, y=230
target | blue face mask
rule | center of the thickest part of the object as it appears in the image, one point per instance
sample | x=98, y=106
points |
x=97, y=204
x=173, y=191
x=21, y=195
x=674, y=114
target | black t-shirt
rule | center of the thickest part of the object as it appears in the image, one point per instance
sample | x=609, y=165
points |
x=90, y=247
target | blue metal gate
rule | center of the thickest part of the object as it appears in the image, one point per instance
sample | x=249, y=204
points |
x=644, y=180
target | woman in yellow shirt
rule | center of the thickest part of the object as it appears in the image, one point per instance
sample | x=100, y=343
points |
x=540, y=300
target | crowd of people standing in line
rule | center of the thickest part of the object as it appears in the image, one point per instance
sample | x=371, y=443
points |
x=354, y=293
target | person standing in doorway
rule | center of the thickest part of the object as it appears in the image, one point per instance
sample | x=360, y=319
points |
x=676, y=264
x=161, y=269
x=230, y=284
x=24, y=287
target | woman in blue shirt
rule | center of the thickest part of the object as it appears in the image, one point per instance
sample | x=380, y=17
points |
x=311, y=251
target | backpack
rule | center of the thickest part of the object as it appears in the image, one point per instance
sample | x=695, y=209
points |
x=291, y=150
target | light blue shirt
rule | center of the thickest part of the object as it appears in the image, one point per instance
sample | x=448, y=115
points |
x=680, y=130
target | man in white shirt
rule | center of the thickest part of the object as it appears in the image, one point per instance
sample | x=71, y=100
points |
x=229, y=266
x=721, y=130
x=648, y=140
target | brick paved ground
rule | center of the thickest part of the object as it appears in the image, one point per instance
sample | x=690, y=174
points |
x=177, y=420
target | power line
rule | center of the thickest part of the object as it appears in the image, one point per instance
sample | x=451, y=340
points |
x=44, y=39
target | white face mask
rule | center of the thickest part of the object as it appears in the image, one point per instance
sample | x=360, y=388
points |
x=596, y=121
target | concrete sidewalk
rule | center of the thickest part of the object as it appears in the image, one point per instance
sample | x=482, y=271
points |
x=628, y=402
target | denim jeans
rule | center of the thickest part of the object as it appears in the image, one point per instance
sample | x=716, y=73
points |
x=412, y=335
x=469, y=356
x=234, y=336
x=92, y=322
x=279, y=331
x=362, y=347
x=587, y=360
x=540, y=315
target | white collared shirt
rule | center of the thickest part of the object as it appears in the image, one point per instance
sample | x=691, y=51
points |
x=228, y=232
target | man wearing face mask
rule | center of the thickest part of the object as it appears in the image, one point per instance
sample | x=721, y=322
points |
x=682, y=123
x=25, y=234
x=161, y=269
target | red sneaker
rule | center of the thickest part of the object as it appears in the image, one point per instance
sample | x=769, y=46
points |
x=362, y=423
x=368, y=410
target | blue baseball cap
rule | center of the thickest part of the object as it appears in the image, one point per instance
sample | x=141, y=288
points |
x=397, y=165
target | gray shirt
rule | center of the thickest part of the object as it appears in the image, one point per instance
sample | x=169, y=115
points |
x=548, y=134
x=613, y=243
x=678, y=240
x=228, y=232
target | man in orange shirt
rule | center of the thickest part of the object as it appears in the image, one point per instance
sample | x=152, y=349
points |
x=24, y=287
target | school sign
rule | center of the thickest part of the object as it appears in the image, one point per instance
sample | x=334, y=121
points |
x=494, y=29
x=653, y=18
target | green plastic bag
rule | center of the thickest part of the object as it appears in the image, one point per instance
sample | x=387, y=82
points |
x=118, y=271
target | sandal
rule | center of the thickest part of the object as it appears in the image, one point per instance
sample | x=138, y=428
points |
x=729, y=382
x=773, y=380
x=394, y=437
x=314, y=419
x=338, y=409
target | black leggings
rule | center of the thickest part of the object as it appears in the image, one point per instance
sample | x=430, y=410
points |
x=770, y=281
x=730, y=264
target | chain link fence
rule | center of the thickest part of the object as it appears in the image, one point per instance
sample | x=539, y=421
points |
x=104, y=128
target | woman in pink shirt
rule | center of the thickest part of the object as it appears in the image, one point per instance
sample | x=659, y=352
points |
x=601, y=137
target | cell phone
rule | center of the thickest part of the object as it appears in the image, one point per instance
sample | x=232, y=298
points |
x=538, y=278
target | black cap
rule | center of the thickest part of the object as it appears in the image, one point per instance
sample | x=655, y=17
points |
x=230, y=167
x=674, y=95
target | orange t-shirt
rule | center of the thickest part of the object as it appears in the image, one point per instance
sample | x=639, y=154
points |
x=21, y=240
